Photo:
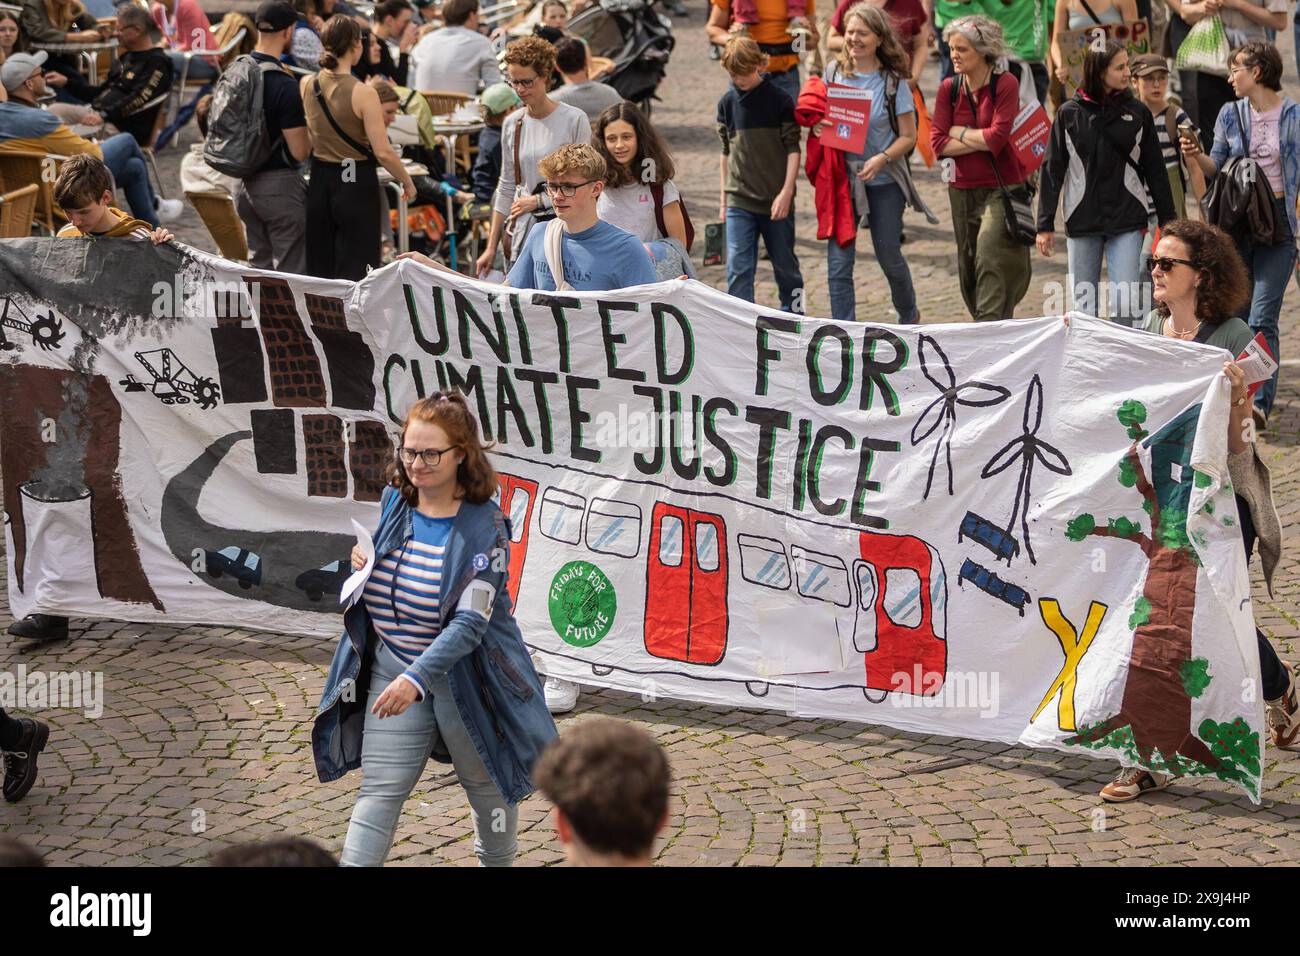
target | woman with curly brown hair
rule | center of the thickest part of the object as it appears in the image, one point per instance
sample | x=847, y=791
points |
x=1199, y=284
x=435, y=644
x=527, y=137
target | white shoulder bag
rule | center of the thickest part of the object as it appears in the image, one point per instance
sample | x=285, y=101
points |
x=554, y=255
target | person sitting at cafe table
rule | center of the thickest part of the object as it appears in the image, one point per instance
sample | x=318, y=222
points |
x=141, y=72
x=62, y=22
x=24, y=126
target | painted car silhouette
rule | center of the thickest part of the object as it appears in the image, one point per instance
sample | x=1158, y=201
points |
x=242, y=565
x=324, y=580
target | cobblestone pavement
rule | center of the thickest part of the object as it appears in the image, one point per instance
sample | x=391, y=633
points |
x=205, y=735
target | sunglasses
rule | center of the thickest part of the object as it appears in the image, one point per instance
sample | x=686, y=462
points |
x=1166, y=263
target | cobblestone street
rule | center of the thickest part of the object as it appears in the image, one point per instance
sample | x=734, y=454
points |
x=205, y=735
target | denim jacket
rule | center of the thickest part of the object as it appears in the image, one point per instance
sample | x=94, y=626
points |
x=492, y=678
x=1231, y=140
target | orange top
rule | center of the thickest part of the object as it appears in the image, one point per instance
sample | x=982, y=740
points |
x=772, y=28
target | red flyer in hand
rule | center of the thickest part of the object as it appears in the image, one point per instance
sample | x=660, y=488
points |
x=1029, y=135
x=848, y=113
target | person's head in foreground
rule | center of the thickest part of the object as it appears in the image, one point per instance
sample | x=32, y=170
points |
x=1197, y=265
x=743, y=61
x=609, y=781
x=286, y=851
x=574, y=175
x=84, y=190
x=440, y=456
x=15, y=853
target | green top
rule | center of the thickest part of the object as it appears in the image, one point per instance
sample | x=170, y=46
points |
x=946, y=11
x=1024, y=24
x=1231, y=335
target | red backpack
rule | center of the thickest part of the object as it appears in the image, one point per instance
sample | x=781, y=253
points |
x=657, y=190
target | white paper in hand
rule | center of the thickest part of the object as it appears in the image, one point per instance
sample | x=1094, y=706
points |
x=352, y=586
x=1256, y=362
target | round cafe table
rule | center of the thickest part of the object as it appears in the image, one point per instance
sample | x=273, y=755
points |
x=453, y=128
x=90, y=52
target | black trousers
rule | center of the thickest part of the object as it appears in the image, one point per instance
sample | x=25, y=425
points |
x=342, y=219
x=1271, y=669
x=10, y=730
x=1212, y=94
x=78, y=87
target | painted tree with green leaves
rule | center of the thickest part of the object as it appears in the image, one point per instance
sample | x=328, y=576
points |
x=1156, y=711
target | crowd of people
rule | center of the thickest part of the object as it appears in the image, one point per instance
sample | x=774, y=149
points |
x=1188, y=198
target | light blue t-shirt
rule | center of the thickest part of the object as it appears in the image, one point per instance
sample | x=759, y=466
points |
x=595, y=260
x=879, y=133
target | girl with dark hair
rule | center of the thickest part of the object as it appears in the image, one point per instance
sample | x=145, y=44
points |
x=349, y=140
x=639, y=194
x=1199, y=284
x=877, y=180
x=1104, y=147
x=1262, y=125
x=11, y=35
x=436, y=647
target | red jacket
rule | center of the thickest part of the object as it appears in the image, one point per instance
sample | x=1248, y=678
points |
x=825, y=169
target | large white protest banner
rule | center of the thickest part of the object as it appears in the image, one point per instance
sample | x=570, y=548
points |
x=1021, y=531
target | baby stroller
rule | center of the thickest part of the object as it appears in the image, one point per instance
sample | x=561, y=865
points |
x=636, y=37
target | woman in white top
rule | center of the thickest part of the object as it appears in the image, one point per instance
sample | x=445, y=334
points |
x=531, y=134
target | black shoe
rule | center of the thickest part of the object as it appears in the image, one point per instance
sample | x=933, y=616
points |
x=20, y=763
x=41, y=627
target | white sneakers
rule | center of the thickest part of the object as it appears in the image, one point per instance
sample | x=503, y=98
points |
x=561, y=695
x=169, y=210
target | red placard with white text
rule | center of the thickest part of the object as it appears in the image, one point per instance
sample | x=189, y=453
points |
x=1029, y=135
x=848, y=113
x=1257, y=361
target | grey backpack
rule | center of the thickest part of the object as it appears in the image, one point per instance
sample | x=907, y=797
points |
x=238, y=142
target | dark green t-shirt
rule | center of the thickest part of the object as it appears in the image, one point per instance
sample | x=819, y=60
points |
x=1232, y=335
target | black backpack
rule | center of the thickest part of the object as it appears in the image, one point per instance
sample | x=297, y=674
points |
x=1239, y=200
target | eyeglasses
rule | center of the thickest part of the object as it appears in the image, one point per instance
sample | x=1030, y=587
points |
x=567, y=189
x=1166, y=263
x=430, y=456
x=522, y=84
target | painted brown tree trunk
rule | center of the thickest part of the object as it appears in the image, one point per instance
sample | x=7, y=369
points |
x=1156, y=704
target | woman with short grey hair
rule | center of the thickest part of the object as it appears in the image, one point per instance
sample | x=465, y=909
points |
x=973, y=115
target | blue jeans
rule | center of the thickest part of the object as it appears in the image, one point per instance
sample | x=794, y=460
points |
x=1123, y=272
x=788, y=81
x=393, y=753
x=1270, y=269
x=743, y=230
x=885, y=202
x=124, y=160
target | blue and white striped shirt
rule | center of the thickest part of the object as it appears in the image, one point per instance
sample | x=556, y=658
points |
x=403, y=589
